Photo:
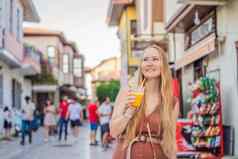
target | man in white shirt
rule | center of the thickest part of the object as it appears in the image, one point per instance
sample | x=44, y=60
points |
x=75, y=114
x=105, y=112
x=27, y=118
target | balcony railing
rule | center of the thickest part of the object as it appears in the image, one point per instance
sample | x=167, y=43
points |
x=78, y=82
x=203, y=2
x=200, y=32
x=32, y=53
x=31, y=61
x=11, y=50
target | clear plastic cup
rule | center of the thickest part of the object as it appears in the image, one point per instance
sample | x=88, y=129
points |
x=138, y=93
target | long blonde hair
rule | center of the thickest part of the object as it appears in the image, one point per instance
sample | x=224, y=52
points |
x=168, y=118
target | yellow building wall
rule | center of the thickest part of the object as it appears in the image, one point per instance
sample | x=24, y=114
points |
x=125, y=31
x=106, y=68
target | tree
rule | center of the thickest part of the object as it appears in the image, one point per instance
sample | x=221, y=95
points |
x=108, y=89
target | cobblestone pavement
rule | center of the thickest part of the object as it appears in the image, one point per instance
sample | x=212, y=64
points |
x=78, y=149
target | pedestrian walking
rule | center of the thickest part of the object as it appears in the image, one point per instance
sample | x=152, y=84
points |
x=93, y=119
x=75, y=115
x=63, y=119
x=49, y=119
x=7, y=122
x=145, y=121
x=27, y=118
x=105, y=112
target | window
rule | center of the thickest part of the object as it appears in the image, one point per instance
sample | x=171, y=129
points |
x=66, y=63
x=18, y=25
x=51, y=51
x=16, y=94
x=146, y=8
x=11, y=17
x=133, y=27
x=78, y=67
x=1, y=9
x=1, y=89
x=237, y=60
x=198, y=69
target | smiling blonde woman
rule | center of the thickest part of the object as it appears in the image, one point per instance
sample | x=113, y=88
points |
x=147, y=132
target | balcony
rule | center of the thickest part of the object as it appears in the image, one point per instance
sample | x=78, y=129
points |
x=204, y=2
x=78, y=82
x=183, y=19
x=31, y=61
x=204, y=47
x=46, y=76
x=11, y=50
x=68, y=78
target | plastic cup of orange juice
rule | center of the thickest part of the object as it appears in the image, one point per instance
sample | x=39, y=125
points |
x=138, y=93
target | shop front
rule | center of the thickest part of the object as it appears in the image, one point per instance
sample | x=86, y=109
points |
x=202, y=128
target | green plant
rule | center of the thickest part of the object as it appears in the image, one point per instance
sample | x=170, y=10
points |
x=108, y=89
x=44, y=79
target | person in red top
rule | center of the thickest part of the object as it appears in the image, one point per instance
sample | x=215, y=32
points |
x=93, y=119
x=175, y=86
x=63, y=120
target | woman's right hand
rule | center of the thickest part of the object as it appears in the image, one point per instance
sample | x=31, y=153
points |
x=130, y=99
x=130, y=110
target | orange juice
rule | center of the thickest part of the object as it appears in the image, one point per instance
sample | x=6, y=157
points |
x=138, y=99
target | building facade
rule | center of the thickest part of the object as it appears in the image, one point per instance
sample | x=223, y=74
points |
x=139, y=23
x=17, y=62
x=64, y=60
x=106, y=70
x=201, y=43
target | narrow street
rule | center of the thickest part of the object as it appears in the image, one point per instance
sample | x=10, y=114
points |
x=41, y=150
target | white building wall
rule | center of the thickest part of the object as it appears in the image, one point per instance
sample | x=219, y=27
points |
x=229, y=82
x=27, y=90
x=8, y=76
x=15, y=74
x=5, y=17
x=224, y=62
x=20, y=7
x=175, y=50
x=7, y=85
x=171, y=6
x=187, y=77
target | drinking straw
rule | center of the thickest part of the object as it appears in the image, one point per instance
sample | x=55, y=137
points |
x=142, y=83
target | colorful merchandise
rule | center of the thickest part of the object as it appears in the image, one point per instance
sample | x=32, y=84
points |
x=206, y=118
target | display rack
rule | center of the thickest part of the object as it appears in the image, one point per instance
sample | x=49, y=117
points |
x=207, y=130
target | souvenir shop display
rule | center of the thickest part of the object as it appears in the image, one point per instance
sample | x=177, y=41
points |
x=206, y=133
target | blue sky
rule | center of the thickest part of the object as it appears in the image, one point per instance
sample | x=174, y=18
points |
x=83, y=21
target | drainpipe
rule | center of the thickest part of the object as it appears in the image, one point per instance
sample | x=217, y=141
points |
x=174, y=52
x=3, y=38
